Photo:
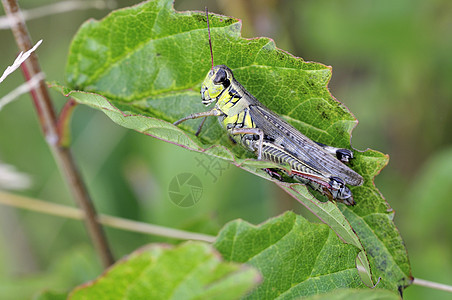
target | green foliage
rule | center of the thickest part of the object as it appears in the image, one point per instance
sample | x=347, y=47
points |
x=192, y=270
x=295, y=257
x=306, y=259
x=142, y=66
x=391, y=67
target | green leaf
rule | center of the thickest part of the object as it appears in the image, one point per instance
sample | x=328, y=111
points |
x=143, y=66
x=192, y=270
x=296, y=258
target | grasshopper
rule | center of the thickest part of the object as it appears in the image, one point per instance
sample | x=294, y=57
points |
x=260, y=130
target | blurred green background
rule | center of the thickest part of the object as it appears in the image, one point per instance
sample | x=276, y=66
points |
x=392, y=67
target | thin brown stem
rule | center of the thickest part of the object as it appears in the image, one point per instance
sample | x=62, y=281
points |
x=48, y=122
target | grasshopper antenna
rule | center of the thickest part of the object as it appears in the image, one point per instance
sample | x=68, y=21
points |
x=210, y=39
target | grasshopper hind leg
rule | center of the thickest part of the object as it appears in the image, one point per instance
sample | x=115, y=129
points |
x=273, y=173
x=344, y=155
x=335, y=189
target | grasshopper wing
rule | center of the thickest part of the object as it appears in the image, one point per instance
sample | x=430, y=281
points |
x=293, y=141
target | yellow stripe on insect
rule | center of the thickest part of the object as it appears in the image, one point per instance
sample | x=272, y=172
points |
x=248, y=122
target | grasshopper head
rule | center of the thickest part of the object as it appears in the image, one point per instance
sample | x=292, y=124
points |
x=217, y=80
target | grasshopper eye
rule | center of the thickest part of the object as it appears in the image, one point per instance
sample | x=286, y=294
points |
x=220, y=77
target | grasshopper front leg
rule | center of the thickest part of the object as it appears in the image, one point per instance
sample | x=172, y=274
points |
x=200, y=126
x=213, y=112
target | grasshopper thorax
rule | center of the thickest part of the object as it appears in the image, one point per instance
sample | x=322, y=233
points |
x=216, y=82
